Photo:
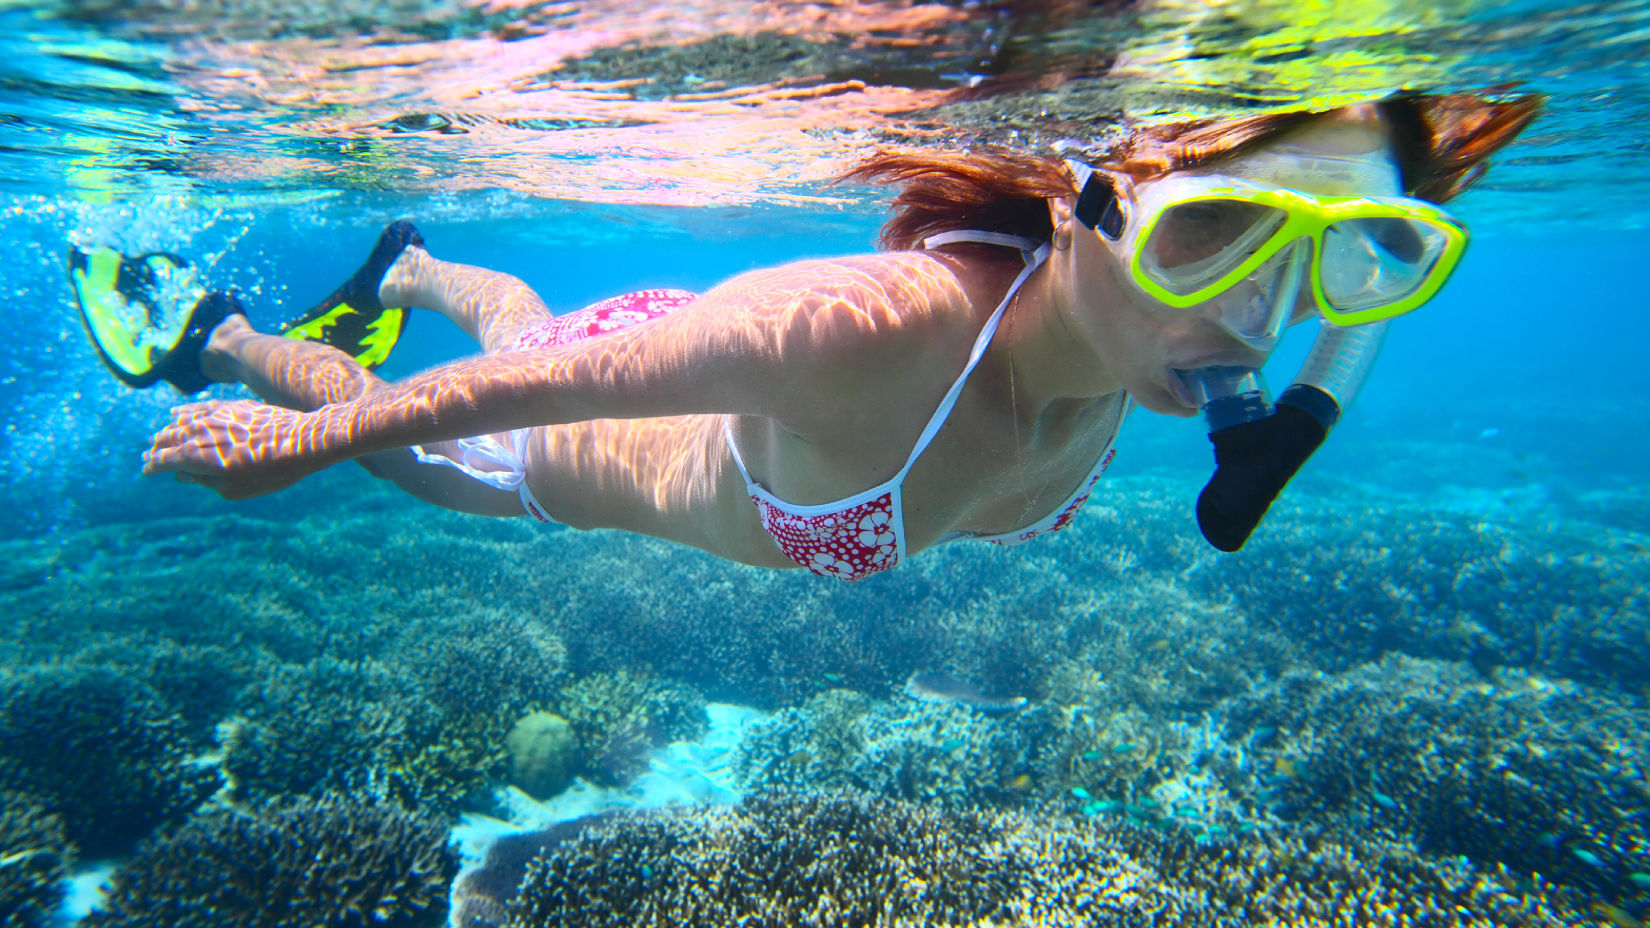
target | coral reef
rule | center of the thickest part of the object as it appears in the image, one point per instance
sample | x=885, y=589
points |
x=905, y=749
x=327, y=725
x=34, y=861
x=1192, y=698
x=101, y=752
x=847, y=860
x=481, y=672
x=290, y=863
x=332, y=725
x=619, y=717
x=1083, y=750
x=485, y=663
x=201, y=683
x=1538, y=776
x=200, y=581
x=1352, y=581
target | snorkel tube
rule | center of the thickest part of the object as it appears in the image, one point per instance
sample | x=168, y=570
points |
x=1260, y=446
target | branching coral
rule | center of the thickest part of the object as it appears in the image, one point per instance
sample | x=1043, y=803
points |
x=1354, y=581
x=34, y=861
x=333, y=725
x=202, y=683
x=905, y=749
x=1538, y=776
x=845, y=860
x=294, y=863
x=486, y=663
x=325, y=725
x=101, y=752
x=619, y=717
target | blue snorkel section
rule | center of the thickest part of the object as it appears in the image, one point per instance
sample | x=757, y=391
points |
x=1259, y=446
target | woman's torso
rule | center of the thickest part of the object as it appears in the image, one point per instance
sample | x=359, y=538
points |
x=994, y=466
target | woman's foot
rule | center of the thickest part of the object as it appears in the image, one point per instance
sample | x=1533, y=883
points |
x=185, y=365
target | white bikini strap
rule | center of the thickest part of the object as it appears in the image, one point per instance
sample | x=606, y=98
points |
x=979, y=237
x=727, y=434
x=508, y=472
x=1034, y=255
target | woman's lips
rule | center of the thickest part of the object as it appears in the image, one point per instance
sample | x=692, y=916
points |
x=1182, y=390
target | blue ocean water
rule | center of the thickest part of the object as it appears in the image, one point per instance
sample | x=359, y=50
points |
x=1426, y=674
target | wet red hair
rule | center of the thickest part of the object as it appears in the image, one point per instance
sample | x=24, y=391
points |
x=1443, y=141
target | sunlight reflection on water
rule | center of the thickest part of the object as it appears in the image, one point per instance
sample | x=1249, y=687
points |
x=720, y=103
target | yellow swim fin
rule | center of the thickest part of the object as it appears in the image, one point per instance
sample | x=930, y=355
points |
x=352, y=319
x=147, y=316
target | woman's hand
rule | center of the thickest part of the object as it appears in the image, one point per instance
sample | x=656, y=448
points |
x=240, y=449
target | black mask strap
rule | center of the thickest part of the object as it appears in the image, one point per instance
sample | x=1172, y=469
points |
x=1097, y=206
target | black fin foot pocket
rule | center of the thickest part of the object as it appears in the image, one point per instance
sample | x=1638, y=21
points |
x=351, y=318
x=181, y=365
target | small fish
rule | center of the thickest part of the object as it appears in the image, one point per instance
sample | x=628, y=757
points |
x=1090, y=808
x=1122, y=748
x=1489, y=433
x=951, y=744
x=1095, y=755
x=834, y=678
x=942, y=687
x=647, y=872
x=1081, y=793
x=1587, y=857
x=1384, y=801
x=1642, y=879
x=1020, y=783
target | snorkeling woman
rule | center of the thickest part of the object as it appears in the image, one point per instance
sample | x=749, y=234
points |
x=968, y=381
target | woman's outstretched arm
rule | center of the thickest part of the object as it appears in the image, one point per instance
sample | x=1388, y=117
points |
x=763, y=344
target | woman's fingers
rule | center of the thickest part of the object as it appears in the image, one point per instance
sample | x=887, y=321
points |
x=239, y=449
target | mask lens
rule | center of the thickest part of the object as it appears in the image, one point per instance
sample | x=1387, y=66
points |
x=1259, y=307
x=1194, y=244
x=1369, y=263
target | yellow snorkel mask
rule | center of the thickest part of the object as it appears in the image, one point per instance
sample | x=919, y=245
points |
x=1197, y=237
x=1239, y=241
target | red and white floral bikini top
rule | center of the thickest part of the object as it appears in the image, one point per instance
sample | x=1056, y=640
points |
x=856, y=537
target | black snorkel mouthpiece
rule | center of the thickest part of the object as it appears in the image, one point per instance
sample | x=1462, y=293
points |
x=1260, y=447
x=1256, y=458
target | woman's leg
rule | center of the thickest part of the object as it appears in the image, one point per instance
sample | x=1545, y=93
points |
x=491, y=306
x=306, y=375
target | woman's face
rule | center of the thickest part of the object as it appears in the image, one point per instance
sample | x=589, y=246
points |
x=1145, y=344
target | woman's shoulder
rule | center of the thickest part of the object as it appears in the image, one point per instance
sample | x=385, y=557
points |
x=879, y=291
